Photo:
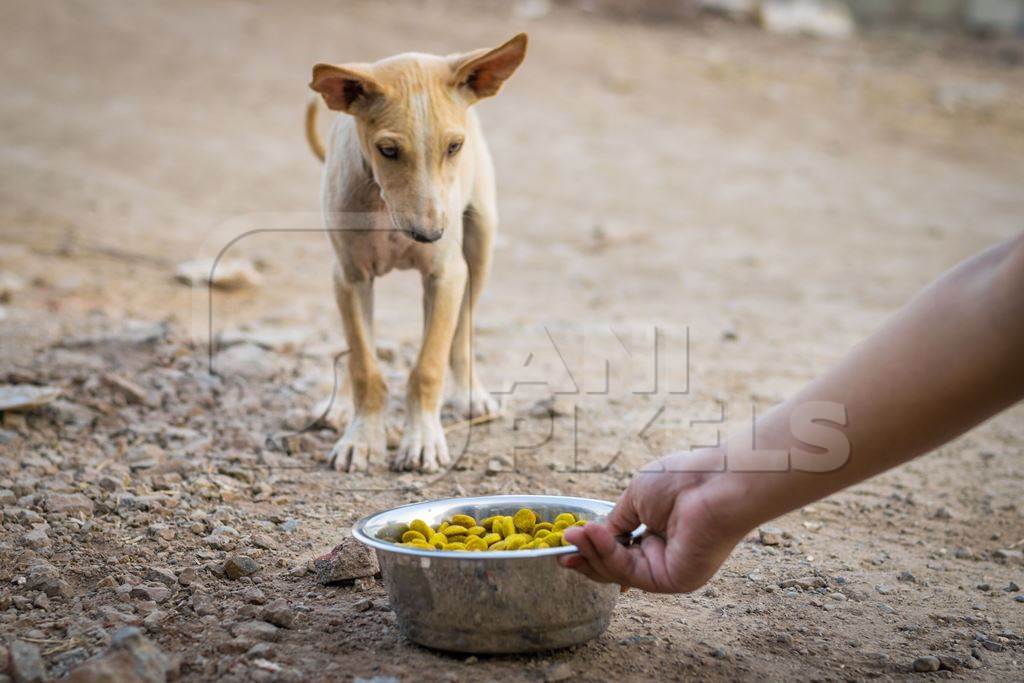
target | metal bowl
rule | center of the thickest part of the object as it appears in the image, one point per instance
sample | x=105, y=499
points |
x=489, y=602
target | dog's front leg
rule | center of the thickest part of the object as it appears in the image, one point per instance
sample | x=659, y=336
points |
x=365, y=435
x=423, y=445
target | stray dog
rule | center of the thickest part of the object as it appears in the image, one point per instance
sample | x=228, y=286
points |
x=408, y=183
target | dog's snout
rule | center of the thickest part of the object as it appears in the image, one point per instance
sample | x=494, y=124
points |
x=424, y=235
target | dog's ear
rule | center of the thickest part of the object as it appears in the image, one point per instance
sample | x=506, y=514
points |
x=481, y=73
x=348, y=88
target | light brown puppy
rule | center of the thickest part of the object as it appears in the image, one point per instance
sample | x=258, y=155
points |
x=408, y=183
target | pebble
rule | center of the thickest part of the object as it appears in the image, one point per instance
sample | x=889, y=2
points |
x=885, y=589
x=255, y=631
x=926, y=664
x=161, y=575
x=769, y=535
x=254, y=596
x=237, y=566
x=130, y=657
x=1019, y=598
x=559, y=672
x=1011, y=587
x=279, y=613
x=68, y=503
x=37, y=538
x=1008, y=555
x=156, y=593
x=349, y=560
x=907, y=577
x=187, y=576
x=806, y=583
x=26, y=665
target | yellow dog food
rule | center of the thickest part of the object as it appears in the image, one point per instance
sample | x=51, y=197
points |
x=524, y=530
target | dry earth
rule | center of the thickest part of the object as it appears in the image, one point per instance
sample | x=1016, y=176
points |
x=762, y=202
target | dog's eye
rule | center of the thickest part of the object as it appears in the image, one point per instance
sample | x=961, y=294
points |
x=388, y=151
x=454, y=148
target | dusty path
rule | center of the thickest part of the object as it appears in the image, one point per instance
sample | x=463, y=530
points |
x=771, y=201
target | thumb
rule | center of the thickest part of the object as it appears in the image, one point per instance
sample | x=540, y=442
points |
x=623, y=518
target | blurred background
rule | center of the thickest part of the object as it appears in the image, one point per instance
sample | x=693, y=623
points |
x=762, y=181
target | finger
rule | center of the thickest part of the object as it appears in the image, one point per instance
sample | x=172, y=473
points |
x=623, y=517
x=613, y=558
x=587, y=551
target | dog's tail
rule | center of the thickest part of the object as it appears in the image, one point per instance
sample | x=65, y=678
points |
x=312, y=137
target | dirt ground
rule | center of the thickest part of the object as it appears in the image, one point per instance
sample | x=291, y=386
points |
x=761, y=202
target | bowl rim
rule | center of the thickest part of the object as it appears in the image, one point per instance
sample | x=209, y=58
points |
x=359, y=534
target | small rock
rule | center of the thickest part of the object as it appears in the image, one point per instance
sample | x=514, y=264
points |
x=926, y=664
x=806, y=583
x=131, y=658
x=718, y=653
x=363, y=605
x=255, y=631
x=1019, y=598
x=187, y=576
x=26, y=665
x=156, y=593
x=963, y=554
x=952, y=663
x=68, y=503
x=817, y=18
x=984, y=587
x=885, y=589
x=279, y=613
x=769, y=535
x=1008, y=555
x=248, y=361
x=226, y=273
x=1011, y=587
x=907, y=577
x=552, y=406
x=290, y=525
x=559, y=672
x=942, y=513
x=36, y=538
x=161, y=575
x=254, y=596
x=497, y=465
x=22, y=397
x=349, y=560
x=992, y=645
x=237, y=566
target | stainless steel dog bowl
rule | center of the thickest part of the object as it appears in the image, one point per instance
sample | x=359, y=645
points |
x=489, y=602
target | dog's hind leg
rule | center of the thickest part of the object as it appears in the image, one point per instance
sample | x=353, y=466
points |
x=365, y=435
x=480, y=222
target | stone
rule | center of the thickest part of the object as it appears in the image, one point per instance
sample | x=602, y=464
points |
x=247, y=361
x=187, y=576
x=806, y=583
x=497, y=465
x=926, y=664
x=279, y=613
x=161, y=575
x=156, y=593
x=225, y=273
x=24, y=397
x=1008, y=555
x=559, y=672
x=347, y=561
x=237, y=566
x=769, y=535
x=36, y=538
x=254, y=596
x=552, y=406
x=255, y=631
x=131, y=658
x=26, y=664
x=885, y=589
x=68, y=503
x=816, y=18
x=1011, y=587
x=907, y=577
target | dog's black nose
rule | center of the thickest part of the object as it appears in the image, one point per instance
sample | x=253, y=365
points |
x=424, y=237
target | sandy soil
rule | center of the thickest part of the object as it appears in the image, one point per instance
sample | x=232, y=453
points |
x=763, y=203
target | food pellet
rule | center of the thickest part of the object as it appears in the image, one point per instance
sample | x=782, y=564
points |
x=525, y=530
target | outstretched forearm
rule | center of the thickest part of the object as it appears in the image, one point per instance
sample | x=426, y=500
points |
x=951, y=358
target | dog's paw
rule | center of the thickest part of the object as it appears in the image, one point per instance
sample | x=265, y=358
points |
x=364, y=438
x=424, y=447
x=474, y=402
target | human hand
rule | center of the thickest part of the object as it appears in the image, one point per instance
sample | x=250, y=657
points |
x=687, y=539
